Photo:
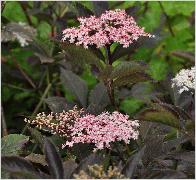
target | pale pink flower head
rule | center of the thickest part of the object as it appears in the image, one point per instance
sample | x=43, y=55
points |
x=102, y=130
x=111, y=26
x=75, y=127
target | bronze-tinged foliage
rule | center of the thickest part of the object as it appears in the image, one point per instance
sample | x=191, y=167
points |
x=159, y=114
x=79, y=55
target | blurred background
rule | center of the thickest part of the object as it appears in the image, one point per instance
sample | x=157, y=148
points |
x=30, y=54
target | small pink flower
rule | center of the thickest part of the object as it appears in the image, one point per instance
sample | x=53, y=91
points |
x=103, y=129
x=111, y=26
x=100, y=130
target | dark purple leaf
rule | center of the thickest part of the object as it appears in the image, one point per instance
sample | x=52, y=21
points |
x=53, y=159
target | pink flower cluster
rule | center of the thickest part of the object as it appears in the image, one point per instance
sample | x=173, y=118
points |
x=100, y=130
x=111, y=26
x=103, y=130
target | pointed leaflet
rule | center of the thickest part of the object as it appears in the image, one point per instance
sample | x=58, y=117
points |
x=78, y=54
x=20, y=166
x=53, y=159
x=56, y=104
x=129, y=73
x=127, y=68
x=160, y=114
x=131, y=79
x=154, y=146
x=76, y=85
x=98, y=96
x=132, y=163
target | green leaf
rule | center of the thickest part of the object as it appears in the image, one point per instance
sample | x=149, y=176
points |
x=22, y=95
x=16, y=15
x=177, y=7
x=89, y=78
x=21, y=55
x=179, y=23
x=131, y=105
x=151, y=19
x=121, y=4
x=160, y=114
x=76, y=85
x=143, y=53
x=158, y=69
x=43, y=30
x=179, y=42
x=12, y=144
x=53, y=159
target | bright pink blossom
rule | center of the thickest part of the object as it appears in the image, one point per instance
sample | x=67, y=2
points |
x=111, y=26
x=102, y=130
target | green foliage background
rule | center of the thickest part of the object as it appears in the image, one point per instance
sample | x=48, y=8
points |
x=48, y=75
x=172, y=23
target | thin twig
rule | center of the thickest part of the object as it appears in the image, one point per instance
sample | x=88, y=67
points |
x=42, y=79
x=24, y=74
x=108, y=55
x=168, y=20
x=38, y=105
x=26, y=14
x=42, y=99
x=16, y=87
x=109, y=83
x=4, y=126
